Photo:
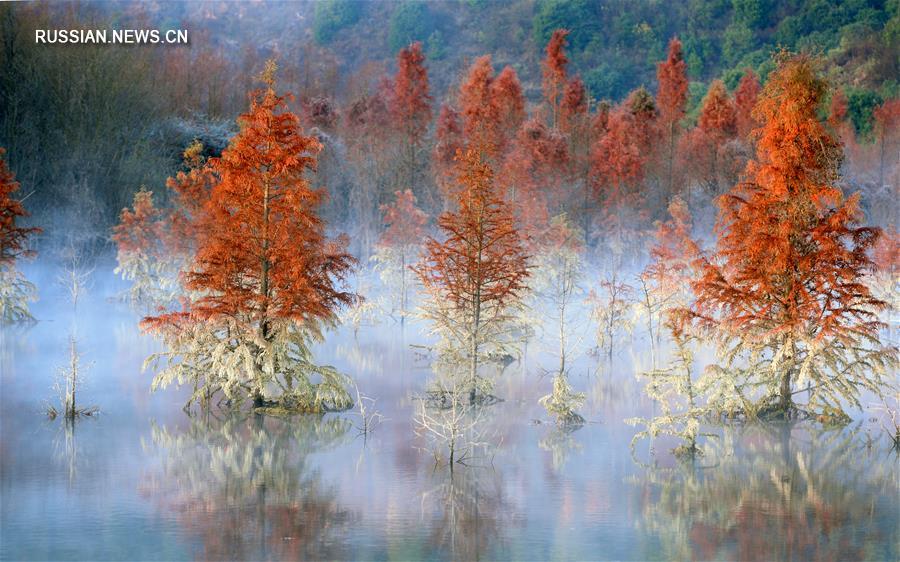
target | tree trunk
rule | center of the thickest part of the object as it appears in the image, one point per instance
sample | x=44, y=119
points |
x=785, y=393
x=73, y=379
x=263, y=290
x=473, y=348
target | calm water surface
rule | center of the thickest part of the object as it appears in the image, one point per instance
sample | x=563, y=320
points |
x=145, y=481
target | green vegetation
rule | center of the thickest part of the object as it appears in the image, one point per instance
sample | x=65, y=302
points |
x=331, y=16
x=411, y=21
x=112, y=119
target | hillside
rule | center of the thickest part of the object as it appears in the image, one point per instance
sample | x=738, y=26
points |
x=88, y=125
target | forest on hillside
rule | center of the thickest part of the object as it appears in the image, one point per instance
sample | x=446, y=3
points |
x=91, y=125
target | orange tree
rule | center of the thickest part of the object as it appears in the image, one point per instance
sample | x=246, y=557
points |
x=399, y=246
x=141, y=255
x=477, y=274
x=704, y=147
x=15, y=291
x=671, y=99
x=265, y=278
x=411, y=114
x=785, y=290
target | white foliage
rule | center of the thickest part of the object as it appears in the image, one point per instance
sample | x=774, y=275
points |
x=15, y=294
x=233, y=359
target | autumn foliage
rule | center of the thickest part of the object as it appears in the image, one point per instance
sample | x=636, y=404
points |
x=786, y=281
x=671, y=74
x=140, y=228
x=263, y=268
x=554, y=73
x=745, y=96
x=411, y=112
x=705, y=148
x=15, y=290
x=400, y=245
x=480, y=268
x=13, y=238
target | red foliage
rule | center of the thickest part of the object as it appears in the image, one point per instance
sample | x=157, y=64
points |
x=673, y=254
x=600, y=120
x=492, y=107
x=717, y=117
x=619, y=157
x=554, y=74
x=887, y=118
x=533, y=173
x=12, y=237
x=671, y=99
x=191, y=190
x=837, y=112
x=886, y=253
x=506, y=96
x=745, y=96
x=790, y=256
x=702, y=148
x=405, y=222
x=481, y=263
x=479, y=113
x=573, y=108
x=141, y=228
x=261, y=252
x=411, y=102
x=448, y=141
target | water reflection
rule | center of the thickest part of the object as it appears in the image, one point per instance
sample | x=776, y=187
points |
x=561, y=443
x=242, y=486
x=775, y=493
x=473, y=516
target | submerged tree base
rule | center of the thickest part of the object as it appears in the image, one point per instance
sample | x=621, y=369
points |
x=90, y=411
x=290, y=406
x=231, y=363
x=778, y=413
x=446, y=399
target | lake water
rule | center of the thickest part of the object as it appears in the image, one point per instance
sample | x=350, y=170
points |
x=146, y=481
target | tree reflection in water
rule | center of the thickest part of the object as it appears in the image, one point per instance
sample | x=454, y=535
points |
x=243, y=486
x=561, y=443
x=775, y=493
x=473, y=512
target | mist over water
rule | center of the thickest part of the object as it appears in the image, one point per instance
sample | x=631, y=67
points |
x=144, y=480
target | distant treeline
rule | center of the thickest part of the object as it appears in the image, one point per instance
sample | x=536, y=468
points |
x=85, y=127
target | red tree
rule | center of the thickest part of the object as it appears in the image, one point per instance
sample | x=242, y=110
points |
x=554, y=74
x=745, y=100
x=140, y=228
x=573, y=109
x=448, y=141
x=479, y=113
x=620, y=156
x=411, y=110
x=671, y=100
x=704, y=147
x=12, y=238
x=191, y=189
x=403, y=236
x=837, y=111
x=785, y=283
x=507, y=98
x=479, y=269
x=534, y=174
x=263, y=263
